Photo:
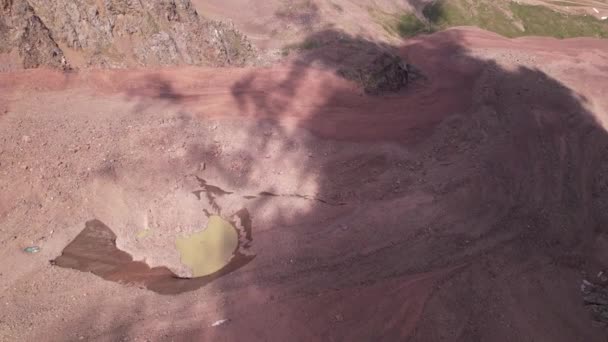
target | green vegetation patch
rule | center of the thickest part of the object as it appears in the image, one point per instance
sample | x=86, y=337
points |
x=409, y=25
x=542, y=21
x=514, y=20
x=446, y=14
x=485, y=15
x=307, y=44
x=405, y=25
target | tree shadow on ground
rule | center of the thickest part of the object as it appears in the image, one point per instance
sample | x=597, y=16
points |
x=507, y=166
x=470, y=202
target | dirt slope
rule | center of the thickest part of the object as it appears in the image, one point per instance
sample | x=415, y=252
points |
x=469, y=207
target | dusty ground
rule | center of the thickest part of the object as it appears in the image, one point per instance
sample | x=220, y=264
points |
x=275, y=24
x=470, y=207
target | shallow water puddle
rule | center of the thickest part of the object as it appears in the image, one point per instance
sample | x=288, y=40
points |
x=209, y=250
x=144, y=233
x=94, y=250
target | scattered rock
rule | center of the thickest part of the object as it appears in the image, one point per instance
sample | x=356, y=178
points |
x=596, y=299
x=220, y=322
x=32, y=249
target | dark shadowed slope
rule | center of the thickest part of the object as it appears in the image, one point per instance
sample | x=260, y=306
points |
x=473, y=202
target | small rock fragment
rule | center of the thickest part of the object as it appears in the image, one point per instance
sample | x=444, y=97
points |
x=219, y=322
x=31, y=249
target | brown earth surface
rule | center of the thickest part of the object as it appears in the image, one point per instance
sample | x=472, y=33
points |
x=273, y=24
x=468, y=207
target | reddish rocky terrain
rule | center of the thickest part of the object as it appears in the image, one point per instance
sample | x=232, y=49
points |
x=471, y=205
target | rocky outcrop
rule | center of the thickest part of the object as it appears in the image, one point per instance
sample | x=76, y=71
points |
x=596, y=300
x=118, y=33
x=375, y=66
x=386, y=72
x=380, y=73
x=22, y=29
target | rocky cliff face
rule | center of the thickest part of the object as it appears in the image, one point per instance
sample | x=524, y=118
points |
x=117, y=33
x=23, y=33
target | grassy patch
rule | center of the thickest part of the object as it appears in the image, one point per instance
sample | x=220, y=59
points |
x=542, y=21
x=405, y=25
x=445, y=14
x=486, y=15
x=409, y=25
x=308, y=44
x=496, y=19
x=509, y=21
